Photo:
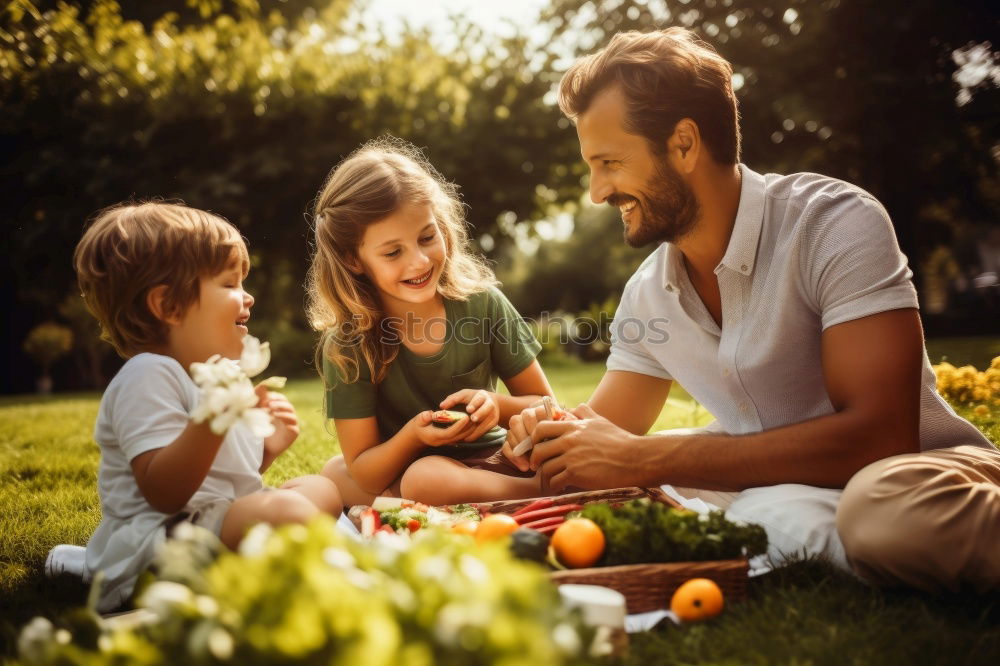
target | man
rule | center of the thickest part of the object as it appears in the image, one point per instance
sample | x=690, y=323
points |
x=782, y=304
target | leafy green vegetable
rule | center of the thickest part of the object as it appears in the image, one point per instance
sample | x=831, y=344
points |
x=644, y=531
x=397, y=519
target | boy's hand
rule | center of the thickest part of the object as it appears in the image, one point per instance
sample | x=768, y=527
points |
x=286, y=422
x=431, y=435
x=482, y=406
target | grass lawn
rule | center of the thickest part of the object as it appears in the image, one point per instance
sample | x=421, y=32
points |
x=805, y=614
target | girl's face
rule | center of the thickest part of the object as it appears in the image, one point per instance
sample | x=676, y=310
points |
x=403, y=255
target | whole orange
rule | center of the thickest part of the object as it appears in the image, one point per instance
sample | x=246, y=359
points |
x=697, y=599
x=495, y=526
x=578, y=543
x=465, y=527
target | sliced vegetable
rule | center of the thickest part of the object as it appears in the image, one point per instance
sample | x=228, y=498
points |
x=370, y=522
x=544, y=522
x=537, y=504
x=559, y=510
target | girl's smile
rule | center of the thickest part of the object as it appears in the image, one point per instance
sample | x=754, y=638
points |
x=403, y=255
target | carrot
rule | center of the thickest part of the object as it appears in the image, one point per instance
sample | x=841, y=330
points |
x=544, y=522
x=547, y=512
x=537, y=504
x=549, y=529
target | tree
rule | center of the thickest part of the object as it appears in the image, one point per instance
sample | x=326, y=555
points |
x=47, y=343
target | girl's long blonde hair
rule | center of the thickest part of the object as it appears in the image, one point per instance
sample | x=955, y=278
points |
x=369, y=185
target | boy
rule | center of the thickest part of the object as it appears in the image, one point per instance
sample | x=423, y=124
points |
x=165, y=281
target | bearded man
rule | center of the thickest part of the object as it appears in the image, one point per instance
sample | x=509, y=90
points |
x=790, y=315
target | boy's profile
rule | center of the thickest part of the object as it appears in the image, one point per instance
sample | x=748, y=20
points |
x=165, y=281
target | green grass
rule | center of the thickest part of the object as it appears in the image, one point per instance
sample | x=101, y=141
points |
x=804, y=614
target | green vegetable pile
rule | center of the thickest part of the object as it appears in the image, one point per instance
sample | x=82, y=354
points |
x=311, y=595
x=398, y=519
x=643, y=531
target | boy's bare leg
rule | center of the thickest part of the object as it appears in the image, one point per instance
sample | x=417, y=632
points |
x=275, y=507
x=439, y=480
x=350, y=492
x=319, y=490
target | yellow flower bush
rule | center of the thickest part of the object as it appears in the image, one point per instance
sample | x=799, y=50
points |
x=966, y=386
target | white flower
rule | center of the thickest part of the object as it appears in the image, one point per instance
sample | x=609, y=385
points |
x=227, y=395
x=162, y=597
x=255, y=356
x=35, y=640
x=255, y=542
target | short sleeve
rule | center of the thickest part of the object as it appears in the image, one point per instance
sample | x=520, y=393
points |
x=628, y=336
x=149, y=406
x=348, y=399
x=853, y=266
x=512, y=344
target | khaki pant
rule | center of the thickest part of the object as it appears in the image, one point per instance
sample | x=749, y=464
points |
x=929, y=520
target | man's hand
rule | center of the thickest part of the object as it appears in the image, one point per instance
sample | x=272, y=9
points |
x=430, y=435
x=588, y=452
x=284, y=419
x=482, y=406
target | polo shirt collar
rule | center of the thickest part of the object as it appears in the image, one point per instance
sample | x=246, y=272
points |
x=742, y=249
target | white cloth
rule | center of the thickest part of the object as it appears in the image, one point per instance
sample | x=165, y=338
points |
x=807, y=252
x=147, y=406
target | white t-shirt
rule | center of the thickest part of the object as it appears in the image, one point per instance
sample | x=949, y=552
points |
x=147, y=406
x=807, y=252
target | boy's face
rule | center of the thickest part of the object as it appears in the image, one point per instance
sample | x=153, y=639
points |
x=217, y=323
x=404, y=255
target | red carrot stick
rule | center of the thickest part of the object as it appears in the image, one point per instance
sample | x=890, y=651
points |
x=544, y=522
x=548, y=529
x=545, y=513
x=537, y=504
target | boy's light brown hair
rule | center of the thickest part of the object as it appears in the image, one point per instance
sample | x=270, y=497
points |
x=130, y=248
x=665, y=76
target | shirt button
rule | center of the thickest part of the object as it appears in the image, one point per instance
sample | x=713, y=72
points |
x=743, y=268
x=725, y=372
x=670, y=287
x=743, y=407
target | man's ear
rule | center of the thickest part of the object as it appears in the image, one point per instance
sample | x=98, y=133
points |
x=156, y=302
x=684, y=146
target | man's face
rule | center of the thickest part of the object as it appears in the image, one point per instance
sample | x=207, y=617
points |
x=655, y=202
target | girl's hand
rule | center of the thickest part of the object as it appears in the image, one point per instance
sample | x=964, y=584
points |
x=284, y=418
x=431, y=435
x=482, y=406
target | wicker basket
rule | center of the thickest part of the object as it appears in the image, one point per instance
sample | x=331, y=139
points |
x=646, y=586
x=612, y=496
x=649, y=586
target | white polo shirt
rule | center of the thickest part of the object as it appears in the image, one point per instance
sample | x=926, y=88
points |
x=807, y=252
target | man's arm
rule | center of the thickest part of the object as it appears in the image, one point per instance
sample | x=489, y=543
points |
x=872, y=370
x=630, y=400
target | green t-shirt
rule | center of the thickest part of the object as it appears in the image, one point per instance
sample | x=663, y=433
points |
x=486, y=339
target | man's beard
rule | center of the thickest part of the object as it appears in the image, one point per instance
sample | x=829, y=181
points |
x=667, y=210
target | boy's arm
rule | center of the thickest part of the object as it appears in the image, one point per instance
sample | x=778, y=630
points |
x=169, y=476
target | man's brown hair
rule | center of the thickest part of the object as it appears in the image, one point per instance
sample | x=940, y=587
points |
x=665, y=76
x=131, y=248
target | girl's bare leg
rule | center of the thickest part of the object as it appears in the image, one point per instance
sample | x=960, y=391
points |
x=439, y=480
x=351, y=493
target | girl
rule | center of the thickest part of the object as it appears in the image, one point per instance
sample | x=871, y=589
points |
x=412, y=321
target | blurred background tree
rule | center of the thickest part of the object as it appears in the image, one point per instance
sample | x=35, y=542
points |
x=46, y=344
x=243, y=106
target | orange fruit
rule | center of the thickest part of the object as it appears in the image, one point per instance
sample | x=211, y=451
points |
x=495, y=526
x=578, y=543
x=465, y=527
x=697, y=599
